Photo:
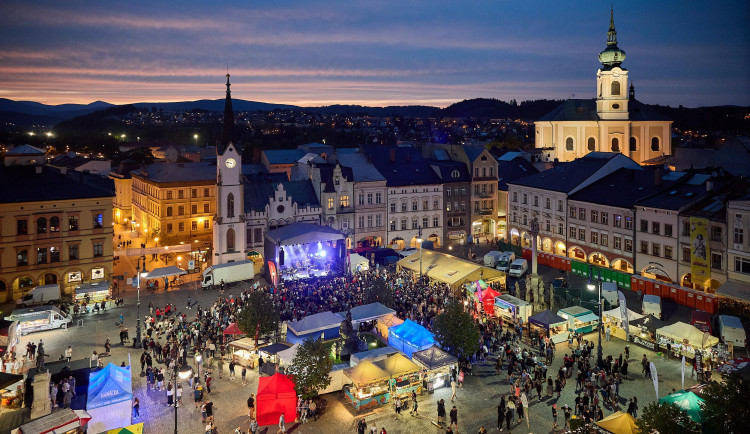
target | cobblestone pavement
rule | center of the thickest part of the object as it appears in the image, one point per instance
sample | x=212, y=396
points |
x=477, y=400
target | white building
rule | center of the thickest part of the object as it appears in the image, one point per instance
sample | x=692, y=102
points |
x=370, y=193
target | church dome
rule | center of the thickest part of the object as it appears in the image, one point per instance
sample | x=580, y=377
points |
x=612, y=55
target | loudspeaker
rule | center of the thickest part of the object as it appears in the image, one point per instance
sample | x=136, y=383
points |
x=342, y=250
x=281, y=256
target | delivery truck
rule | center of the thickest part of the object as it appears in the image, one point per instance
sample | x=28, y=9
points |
x=34, y=319
x=732, y=330
x=518, y=268
x=504, y=261
x=490, y=259
x=45, y=294
x=229, y=273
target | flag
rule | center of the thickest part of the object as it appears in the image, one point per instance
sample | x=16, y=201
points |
x=655, y=378
x=624, y=313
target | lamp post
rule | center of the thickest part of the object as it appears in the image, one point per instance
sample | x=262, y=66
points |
x=183, y=373
x=141, y=274
x=419, y=240
x=592, y=287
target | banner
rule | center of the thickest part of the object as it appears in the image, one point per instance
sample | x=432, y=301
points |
x=683, y=373
x=655, y=378
x=624, y=314
x=700, y=268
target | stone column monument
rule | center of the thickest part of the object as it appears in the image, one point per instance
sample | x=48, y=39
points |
x=41, y=405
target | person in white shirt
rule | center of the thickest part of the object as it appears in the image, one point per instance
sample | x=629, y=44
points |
x=282, y=425
x=69, y=353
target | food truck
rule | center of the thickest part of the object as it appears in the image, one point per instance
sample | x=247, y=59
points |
x=94, y=292
x=580, y=320
x=34, y=319
x=512, y=309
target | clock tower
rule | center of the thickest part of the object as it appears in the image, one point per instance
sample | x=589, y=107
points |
x=229, y=221
x=612, y=79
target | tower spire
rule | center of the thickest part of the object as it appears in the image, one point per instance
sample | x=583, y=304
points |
x=227, y=132
x=612, y=33
x=612, y=55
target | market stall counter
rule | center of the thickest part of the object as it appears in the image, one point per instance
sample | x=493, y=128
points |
x=369, y=386
x=242, y=351
x=549, y=324
x=612, y=318
x=685, y=340
x=512, y=309
x=438, y=364
x=405, y=375
x=580, y=320
x=643, y=331
x=95, y=292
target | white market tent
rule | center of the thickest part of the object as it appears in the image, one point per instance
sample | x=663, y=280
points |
x=288, y=355
x=447, y=269
x=680, y=331
x=367, y=312
x=614, y=315
x=357, y=263
x=162, y=272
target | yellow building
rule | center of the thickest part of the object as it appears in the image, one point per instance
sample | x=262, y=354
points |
x=122, y=212
x=174, y=201
x=55, y=227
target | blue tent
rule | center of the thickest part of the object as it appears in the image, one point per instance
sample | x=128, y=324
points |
x=109, y=386
x=313, y=326
x=409, y=337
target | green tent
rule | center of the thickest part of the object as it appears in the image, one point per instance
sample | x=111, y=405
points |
x=688, y=401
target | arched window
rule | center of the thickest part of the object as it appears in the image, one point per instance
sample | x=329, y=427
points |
x=655, y=144
x=41, y=225
x=230, y=240
x=615, y=144
x=230, y=205
x=54, y=224
x=633, y=144
x=615, y=88
x=592, y=144
x=569, y=144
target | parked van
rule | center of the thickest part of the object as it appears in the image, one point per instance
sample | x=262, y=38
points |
x=40, y=295
x=652, y=305
x=702, y=320
x=731, y=330
x=34, y=319
x=504, y=261
x=490, y=259
x=518, y=268
x=609, y=294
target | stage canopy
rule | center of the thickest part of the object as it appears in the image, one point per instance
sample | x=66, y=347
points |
x=303, y=233
x=312, y=326
x=680, y=331
x=386, y=322
x=433, y=358
x=109, y=386
x=233, y=329
x=275, y=395
x=688, y=401
x=409, y=337
x=371, y=355
x=172, y=270
x=365, y=373
x=447, y=269
x=547, y=319
x=649, y=322
x=618, y=423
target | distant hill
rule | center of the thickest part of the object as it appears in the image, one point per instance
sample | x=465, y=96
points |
x=490, y=108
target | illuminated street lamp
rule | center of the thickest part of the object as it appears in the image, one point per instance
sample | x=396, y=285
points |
x=592, y=287
x=195, y=137
x=419, y=240
x=183, y=373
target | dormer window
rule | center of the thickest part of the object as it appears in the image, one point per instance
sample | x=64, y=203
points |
x=455, y=174
x=337, y=180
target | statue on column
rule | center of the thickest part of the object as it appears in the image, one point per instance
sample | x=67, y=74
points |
x=518, y=290
x=551, y=297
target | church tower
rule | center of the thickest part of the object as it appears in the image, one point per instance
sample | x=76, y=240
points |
x=229, y=221
x=612, y=79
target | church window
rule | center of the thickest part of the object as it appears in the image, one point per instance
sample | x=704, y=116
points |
x=633, y=144
x=591, y=144
x=230, y=240
x=655, y=144
x=615, y=88
x=615, y=144
x=569, y=144
x=230, y=205
x=615, y=106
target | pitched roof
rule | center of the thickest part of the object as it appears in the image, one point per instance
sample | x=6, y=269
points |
x=25, y=150
x=258, y=194
x=178, y=172
x=284, y=156
x=690, y=188
x=473, y=151
x=362, y=170
x=446, y=170
x=585, y=110
x=623, y=188
x=23, y=184
x=566, y=176
x=326, y=175
x=408, y=167
x=512, y=170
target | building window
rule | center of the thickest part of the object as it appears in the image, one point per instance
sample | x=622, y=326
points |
x=393, y=206
x=515, y=196
x=476, y=172
x=206, y=208
x=655, y=228
x=194, y=193
x=73, y=223
x=169, y=227
x=361, y=199
x=739, y=236
x=181, y=210
x=54, y=254
x=194, y=225
x=615, y=88
x=435, y=203
x=447, y=206
x=560, y=228
x=536, y=200
x=361, y=221
x=425, y=204
x=393, y=225
x=403, y=224
x=628, y=245
x=206, y=192
x=547, y=203
x=668, y=252
x=330, y=203
x=573, y=212
x=617, y=243
x=206, y=224
x=582, y=213
x=559, y=205
x=169, y=194
x=22, y=257
x=685, y=228
x=591, y=144
x=98, y=249
x=169, y=211
x=655, y=144
x=73, y=252
x=582, y=234
x=378, y=220
x=194, y=209
x=716, y=261
x=569, y=145
x=435, y=221
x=414, y=223
x=633, y=144
x=181, y=226
x=644, y=247
x=741, y=265
x=573, y=232
x=604, y=241
x=615, y=144
x=54, y=224
x=618, y=221
x=594, y=216
x=41, y=225
x=594, y=238
x=525, y=199
x=425, y=222
x=180, y=194
x=656, y=249
x=525, y=221
x=686, y=254
x=41, y=255
x=258, y=235
x=628, y=223
x=378, y=198
x=369, y=198
x=547, y=226
x=414, y=205
x=345, y=201
x=605, y=218
x=403, y=206
x=230, y=205
x=667, y=230
x=644, y=225
x=716, y=233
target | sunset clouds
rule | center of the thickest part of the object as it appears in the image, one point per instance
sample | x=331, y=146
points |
x=374, y=52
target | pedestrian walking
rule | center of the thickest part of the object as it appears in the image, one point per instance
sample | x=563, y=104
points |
x=282, y=425
x=251, y=406
x=231, y=369
x=554, y=416
x=441, y=412
x=244, y=373
x=136, y=408
x=69, y=353
x=454, y=418
x=453, y=390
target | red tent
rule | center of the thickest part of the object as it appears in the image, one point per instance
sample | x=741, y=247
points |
x=232, y=329
x=276, y=395
x=488, y=300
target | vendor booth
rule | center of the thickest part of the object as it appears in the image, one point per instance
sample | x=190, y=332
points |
x=358, y=263
x=63, y=421
x=275, y=395
x=485, y=299
x=369, y=386
x=109, y=400
x=270, y=355
x=549, y=324
x=386, y=322
x=233, y=330
x=688, y=401
x=242, y=351
x=404, y=374
x=643, y=331
x=512, y=309
x=409, y=337
x=438, y=364
x=94, y=292
x=684, y=339
x=366, y=313
x=325, y=324
x=10, y=386
x=371, y=355
x=130, y=429
x=287, y=356
x=612, y=319
x=580, y=320
x=165, y=272
x=449, y=269
x=619, y=423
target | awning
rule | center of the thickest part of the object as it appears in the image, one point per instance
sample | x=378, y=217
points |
x=735, y=290
x=7, y=380
x=233, y=329
x=60, y=421
x=589, y=317
x=274, y=348
x=162, y=272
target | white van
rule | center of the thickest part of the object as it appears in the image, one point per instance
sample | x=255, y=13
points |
x=34, y=319
x=609, y=293
x=40, y=295
x=491, y=258
x=652, y=305
x=731, y=330
x=518, y=268
x=504, y=261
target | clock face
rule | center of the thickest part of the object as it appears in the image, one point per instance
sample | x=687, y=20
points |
x=230, y=163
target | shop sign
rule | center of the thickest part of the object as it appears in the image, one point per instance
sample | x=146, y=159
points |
x=75, y=276
x=698, y=362
x=97, y=273
x=644, y=343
